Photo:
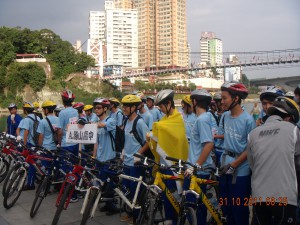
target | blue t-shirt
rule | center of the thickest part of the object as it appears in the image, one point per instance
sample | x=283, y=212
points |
x=201, y=134
x=131, y=144
x=148, y=118
x=117, y=116
x=27, y=124
x=189, y=122
x=105, y=149
x=157, y=115
x=219, y=143
x=93, y=118
x=12, y=127
x=236, y=132
x=67, y=116
x=44, y=128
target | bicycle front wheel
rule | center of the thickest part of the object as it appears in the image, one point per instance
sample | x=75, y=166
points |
x=9, y=176
x=39, y=196
x=188, y=217
x=91, y=201
x=62, y=202
x=4, y=167
x=14, y=189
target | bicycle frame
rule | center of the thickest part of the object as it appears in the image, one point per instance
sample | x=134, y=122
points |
x=196, y=190
x=97, y=184
x=160, y=186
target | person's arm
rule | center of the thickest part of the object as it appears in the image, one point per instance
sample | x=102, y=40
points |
x=41, y=138
x=95, y=150
x=59, y=135
x=242, y=158
x=144, y=148
x=26, y=133
x=208, y=147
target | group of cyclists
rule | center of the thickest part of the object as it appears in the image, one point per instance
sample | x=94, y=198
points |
x=257, y=160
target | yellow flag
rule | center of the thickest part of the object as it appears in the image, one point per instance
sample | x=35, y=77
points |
x=171, y=137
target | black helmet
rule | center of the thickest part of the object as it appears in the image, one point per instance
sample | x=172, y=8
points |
x=287, y=106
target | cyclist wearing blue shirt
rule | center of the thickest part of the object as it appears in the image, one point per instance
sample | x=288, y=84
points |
x=46, y=138
x=26, y=128
x=104, y=149
x=132, y=145
x=145, y=114
x=79, y=107
x=188, y=116
x=89, y=115
x=13, y=120
x=201, y=144
x=115, y=112
x=157, y=115
x=235, y=182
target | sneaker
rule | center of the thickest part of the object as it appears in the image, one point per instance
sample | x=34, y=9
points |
x=28, y=187
x=125, y=218
x=73, y=200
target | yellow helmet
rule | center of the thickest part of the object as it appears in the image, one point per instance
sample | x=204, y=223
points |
x=131, y=99
x=187, y=99
x=114, y=100
x=28, y=105
x=36, y=104
x=48, y=103
x=87, y=107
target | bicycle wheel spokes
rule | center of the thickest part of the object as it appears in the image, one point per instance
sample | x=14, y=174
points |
x=14, y=189
x=4, y=167
x=9, y=177
x=39, y=196
x=68, y=188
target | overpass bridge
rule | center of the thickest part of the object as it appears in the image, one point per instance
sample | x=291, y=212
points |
x=288, y=83
x=244, y=60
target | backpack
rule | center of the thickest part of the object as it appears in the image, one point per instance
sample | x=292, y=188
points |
x=54, y=134
x=119, y=139
x=35, y=126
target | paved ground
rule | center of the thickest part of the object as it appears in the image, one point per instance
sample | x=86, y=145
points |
x=19, y=213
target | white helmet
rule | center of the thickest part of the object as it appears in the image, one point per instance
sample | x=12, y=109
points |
x=163, y=95
x=201, y=95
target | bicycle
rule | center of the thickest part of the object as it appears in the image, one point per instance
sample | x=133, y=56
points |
x=195, y=189
x=153, y=204
x=49, y=178
x=15, y=184
x=69, y=186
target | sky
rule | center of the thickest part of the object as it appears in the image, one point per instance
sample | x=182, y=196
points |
x=242, y=25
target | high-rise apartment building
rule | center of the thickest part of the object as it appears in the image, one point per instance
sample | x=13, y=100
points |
x=211, y=51
x=117, y=29
x=161, y=33
x=124, y=4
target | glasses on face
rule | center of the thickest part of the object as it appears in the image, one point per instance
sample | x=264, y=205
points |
x=125, y=106
x=98, y=107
